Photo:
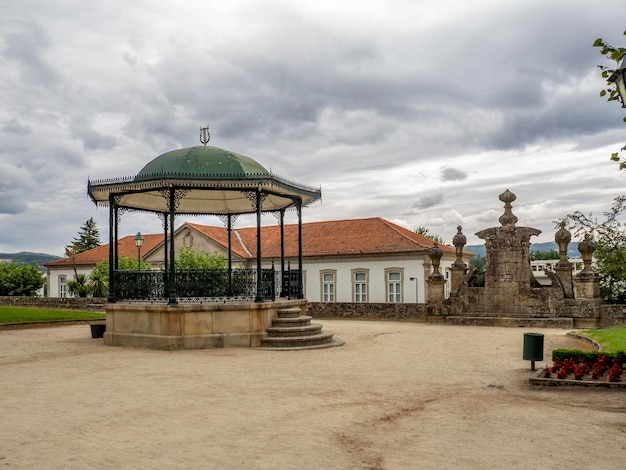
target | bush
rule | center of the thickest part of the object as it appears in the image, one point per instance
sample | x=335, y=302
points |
x=20, y=279
x=577, y=356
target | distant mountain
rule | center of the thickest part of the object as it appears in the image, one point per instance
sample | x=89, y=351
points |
x=572, y=249
x=27, y=257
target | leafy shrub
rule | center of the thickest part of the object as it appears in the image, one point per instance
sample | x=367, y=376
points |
x=578, y=356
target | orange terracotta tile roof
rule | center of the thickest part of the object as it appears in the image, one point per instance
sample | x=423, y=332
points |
x=340, y=237
x=126, y=247
x=331, y=238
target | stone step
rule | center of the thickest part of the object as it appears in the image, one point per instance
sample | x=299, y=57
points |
x=305, y=330
x=289, y=312
x=302, y=320
x=508, y=321
x=321, y=339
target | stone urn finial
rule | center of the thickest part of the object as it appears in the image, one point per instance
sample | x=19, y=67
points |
x=562, y=238
x=459, y=241
x=586, y=249
x=507, y=219
x=435, y=253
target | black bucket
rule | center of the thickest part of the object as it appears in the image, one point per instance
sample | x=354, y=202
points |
x=97, y=330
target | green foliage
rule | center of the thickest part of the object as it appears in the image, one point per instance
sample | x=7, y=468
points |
x=615, y=54
x=579, y=356
x=27, y=314
x=88, y=238
x=20, y=279
x=478, y=264
x=189, y=259
x=609, y=237
x=126, y=263
x=426, y=233
x=543, y=255
x=99, y=280
x=79, y=286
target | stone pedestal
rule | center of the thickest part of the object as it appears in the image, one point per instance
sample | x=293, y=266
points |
x=456, y=278
x=564, y=271
x=436, y=288
x=587, y=286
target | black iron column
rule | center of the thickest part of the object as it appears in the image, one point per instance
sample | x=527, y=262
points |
x=116, y=236
x=172, y=273
x=229, y=229
x=166, y=272
x=259, y=284
x=282, y=253
x=300, y=272
x=112, y=224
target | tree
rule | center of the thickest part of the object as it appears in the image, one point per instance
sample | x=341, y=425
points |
x=426, y=233
x=79, y=286
x=477, y=264
x=126, y=263
x=88, y=238
x=615, y=54
x=609, y=237
x=543, y=255
x=20, y=279
x=98, y=280
x=189, y=259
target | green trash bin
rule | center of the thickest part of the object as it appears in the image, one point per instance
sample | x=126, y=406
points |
x=533, y=348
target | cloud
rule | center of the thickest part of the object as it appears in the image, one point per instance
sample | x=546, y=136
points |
x=429, y=201
x=13, y=126
x=26, y=45
x=452, y=174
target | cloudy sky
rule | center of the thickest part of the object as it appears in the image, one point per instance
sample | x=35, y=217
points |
x=417, y=111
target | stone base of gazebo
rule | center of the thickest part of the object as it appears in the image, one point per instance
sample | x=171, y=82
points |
x=192, y=326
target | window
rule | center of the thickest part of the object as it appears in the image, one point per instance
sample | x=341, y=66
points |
x=62, y=285
x=360, y=286
x=328, y=286
x=394, y=286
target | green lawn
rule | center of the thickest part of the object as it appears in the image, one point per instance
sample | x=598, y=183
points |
x=25, y=314
x=611, y=339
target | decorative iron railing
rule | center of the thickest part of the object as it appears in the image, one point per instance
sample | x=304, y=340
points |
x=136, y=285
x=152, y=285
x=291, y=284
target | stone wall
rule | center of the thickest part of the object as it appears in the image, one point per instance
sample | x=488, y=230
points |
x=612, y=316
x=68, y=303
x=368, y=311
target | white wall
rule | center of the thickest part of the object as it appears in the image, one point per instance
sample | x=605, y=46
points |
x=54, y=275
x=377, y=282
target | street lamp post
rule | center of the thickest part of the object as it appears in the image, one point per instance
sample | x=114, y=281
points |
x=138, y=244
x=619, y=78
x=416, y=287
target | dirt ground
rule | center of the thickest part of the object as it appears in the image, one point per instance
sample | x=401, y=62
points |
x=395, y=396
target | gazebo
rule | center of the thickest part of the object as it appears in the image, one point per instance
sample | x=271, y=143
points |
x=201, y=180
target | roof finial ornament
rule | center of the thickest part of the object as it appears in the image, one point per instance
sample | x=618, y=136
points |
x=205, y=136
x=508, y=219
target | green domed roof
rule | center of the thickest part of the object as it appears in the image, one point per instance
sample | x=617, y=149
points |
x=202, y=162
x=204, y=180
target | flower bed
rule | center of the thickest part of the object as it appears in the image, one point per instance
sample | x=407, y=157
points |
x=596, y=371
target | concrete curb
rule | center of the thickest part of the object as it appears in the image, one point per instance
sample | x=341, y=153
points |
x=45, y=324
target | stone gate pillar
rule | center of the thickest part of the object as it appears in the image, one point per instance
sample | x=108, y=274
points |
x=436, y=282
x=508, y=275
x=564, y=269
x=587, y=281
x=458, y=269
